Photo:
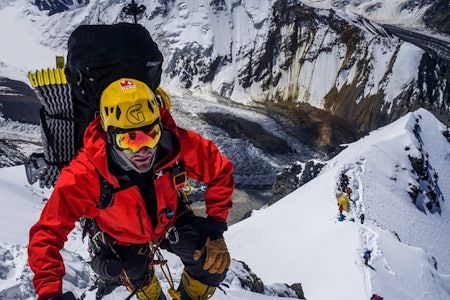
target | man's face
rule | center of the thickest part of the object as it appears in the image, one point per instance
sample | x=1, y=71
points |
x=143, y=159
x=139, y=145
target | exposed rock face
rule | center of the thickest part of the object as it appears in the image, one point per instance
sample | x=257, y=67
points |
x=310, y=40
x=334, y=76
x=247, y=130
x=285, y=53
x=293, y=177
x=425, y=192
x=250, y=281
x=301, y=56
x=57, y=6
x=11, y=154
x=438, y=16
x=18, y=101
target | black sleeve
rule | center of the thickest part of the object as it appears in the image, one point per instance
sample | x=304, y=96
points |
x=215, y=229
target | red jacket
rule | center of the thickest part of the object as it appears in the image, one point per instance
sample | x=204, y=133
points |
x=77, y=192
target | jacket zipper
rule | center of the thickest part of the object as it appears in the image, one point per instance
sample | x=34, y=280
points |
x=138, y=208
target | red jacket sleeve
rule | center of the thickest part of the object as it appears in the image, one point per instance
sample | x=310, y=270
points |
x=204, y=162
x=48, y=235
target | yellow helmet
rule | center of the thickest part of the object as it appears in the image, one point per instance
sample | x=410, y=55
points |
x=128, y=104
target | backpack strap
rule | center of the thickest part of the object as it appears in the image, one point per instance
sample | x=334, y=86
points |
x=107, y=190
x=106, y=193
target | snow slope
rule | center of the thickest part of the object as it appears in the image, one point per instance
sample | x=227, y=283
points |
x=298, y=239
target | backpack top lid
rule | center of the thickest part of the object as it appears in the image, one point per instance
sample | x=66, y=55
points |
x=99, y=45
x=100, y=54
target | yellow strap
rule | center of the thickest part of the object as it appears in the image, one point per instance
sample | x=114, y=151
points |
x=63, y=76
x=51, y=75
x=187, y=189
x=48, y=76
x=32, y=78
x=174, y=294
x=40, y=78
x=59, y=62
x=58, y=79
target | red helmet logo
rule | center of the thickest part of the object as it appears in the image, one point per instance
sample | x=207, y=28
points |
x=126, y=84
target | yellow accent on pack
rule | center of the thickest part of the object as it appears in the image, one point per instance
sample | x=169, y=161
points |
x=163, y=98
x=47, y=76
x=59, y=62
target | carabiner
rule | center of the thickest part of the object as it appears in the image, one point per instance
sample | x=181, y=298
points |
x=172, y=235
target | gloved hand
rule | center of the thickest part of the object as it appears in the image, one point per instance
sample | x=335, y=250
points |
x=65, y=296
x=217, y=256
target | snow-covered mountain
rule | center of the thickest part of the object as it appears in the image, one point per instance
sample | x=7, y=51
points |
x=422, y=15
x=299, y=240
x=289, y=58
x=338, y=72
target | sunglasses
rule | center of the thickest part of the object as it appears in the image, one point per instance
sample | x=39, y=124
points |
x=132, y=141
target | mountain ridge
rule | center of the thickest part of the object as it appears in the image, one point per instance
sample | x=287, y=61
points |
x=283, y=54
x=409, y=242
x=381, y=174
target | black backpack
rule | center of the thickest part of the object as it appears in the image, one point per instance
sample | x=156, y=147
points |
x=97, y=56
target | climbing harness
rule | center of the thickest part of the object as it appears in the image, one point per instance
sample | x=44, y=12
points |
x=99, y=239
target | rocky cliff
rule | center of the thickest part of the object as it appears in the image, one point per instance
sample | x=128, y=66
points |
x=297, y=59
x=335, y=73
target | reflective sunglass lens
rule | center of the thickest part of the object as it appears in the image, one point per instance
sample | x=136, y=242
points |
x=132, y=141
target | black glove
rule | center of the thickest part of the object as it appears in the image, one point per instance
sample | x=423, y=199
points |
x=65, y=296
x=215, y=229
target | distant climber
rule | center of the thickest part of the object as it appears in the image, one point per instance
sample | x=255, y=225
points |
x=366, y=256
x=344, y=177
x=362, y=217
x=341, y=217
x=343, y=201
x=376, y=297
x=344, y=181
x=343, y=186
x=349, y=191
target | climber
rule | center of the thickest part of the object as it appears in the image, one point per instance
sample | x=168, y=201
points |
x=136, y=147
x=366, y=256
